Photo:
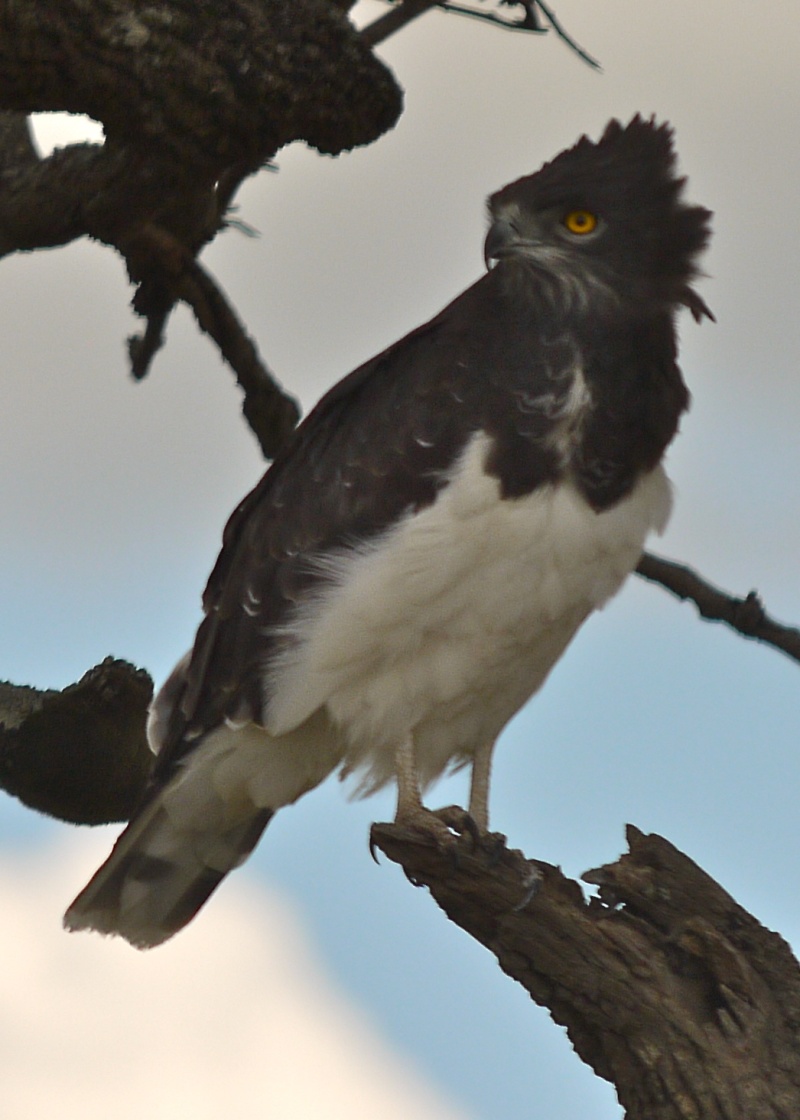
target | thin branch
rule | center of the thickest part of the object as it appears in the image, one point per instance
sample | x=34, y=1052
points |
x=565, y=37
x=747, y=616
x=142, y=348
x=403, y=13
x=269, y=410
x=529, y=21
x=393, y=20
x=167, y=271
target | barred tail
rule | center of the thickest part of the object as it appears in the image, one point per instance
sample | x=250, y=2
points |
x=204, y=821
x=159, y=875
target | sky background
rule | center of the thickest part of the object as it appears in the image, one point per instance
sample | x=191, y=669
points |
x=317, y=984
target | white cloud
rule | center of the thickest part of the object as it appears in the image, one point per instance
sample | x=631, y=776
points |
x=232, y=1019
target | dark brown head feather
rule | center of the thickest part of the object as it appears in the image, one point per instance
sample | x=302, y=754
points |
x=650, y=238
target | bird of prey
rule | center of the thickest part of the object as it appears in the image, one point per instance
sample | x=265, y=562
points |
x=408, y=571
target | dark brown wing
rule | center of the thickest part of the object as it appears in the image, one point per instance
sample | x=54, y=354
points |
x=500, y=359
x=379, y=444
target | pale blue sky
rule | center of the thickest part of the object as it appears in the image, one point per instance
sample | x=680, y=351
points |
x=115, y=495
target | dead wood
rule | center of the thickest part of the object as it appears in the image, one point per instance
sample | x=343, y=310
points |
x=667, y=987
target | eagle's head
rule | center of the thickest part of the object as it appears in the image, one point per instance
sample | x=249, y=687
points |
x=605, y=217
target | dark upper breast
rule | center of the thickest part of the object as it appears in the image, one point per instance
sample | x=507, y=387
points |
x=638, y=396
x=595, y=401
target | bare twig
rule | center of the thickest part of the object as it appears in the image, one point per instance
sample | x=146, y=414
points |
x=142, y=348
x=167, y=271
x=530, y=21
x=566, y=38
x=393, y=20
x=269, y=410
x=747, y=616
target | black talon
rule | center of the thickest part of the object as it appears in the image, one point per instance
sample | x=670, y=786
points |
x=473, y=828
x=459, y=822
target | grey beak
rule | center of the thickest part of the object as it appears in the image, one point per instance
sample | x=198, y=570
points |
x=500, y=241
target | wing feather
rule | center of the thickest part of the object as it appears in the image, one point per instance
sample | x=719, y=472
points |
x=380, y=443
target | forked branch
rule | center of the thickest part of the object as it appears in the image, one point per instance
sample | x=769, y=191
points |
x=535, y=17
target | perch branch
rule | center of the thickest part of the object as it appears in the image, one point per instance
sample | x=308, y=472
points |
x=666, y=986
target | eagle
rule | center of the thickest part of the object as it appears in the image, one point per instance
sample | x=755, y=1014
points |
x=414, y=563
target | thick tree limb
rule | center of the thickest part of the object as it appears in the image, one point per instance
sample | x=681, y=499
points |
x=747, y=616
x=17, y=149
x=193, y=99
x=80, y=754
x=666, y=986
x=208, y=85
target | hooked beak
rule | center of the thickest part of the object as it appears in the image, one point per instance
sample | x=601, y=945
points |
x=501, y=240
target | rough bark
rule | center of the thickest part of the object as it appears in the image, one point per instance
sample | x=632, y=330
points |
x=194, y=96
x=207, y=85
x=80, y=754
x=667, y=987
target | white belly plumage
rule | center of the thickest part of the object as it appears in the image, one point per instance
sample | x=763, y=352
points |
x=436, y=633
x=444, y=626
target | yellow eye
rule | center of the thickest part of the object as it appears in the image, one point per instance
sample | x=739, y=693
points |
x=580, y=221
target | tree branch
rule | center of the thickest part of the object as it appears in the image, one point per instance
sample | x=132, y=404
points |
x=666, y=986
x=393, y=20
x=193, y=100
x=565, y=37
x=17, y=149
x=530, y=21
x=170, y=272
x=746, y=616
x=80, y=754
x=204, y=86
